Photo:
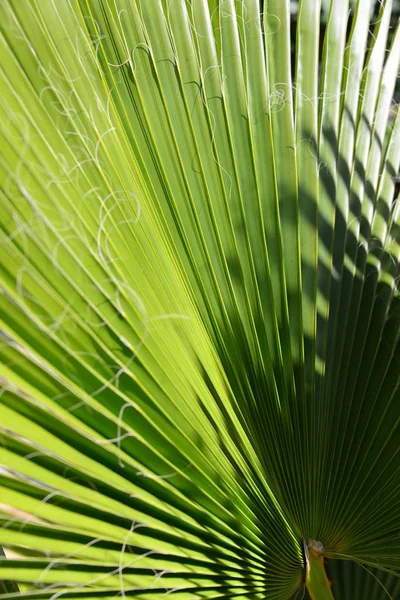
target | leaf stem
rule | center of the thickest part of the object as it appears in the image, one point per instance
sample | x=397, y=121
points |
x=317, y=583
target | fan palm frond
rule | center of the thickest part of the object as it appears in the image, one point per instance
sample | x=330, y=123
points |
x=200, y=319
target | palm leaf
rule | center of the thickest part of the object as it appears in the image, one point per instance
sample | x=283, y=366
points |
x=200, y=315
x=353, y=580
